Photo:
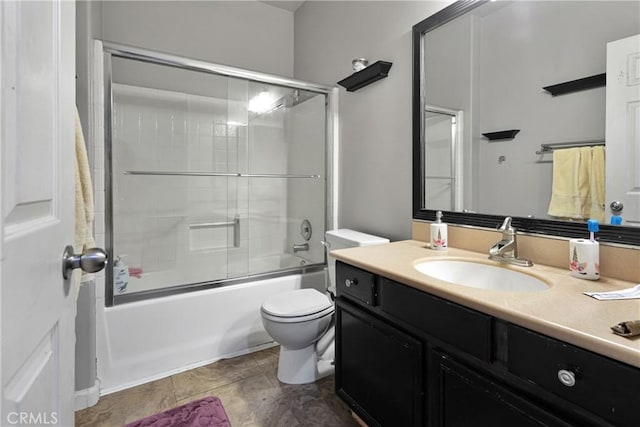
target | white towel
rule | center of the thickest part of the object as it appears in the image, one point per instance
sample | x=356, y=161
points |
x=578, y=183
x=570, y=193
x=597, y=183
x=84, y=204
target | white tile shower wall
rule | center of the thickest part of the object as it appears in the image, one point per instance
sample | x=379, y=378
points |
x=159, y=130
x=267, y=198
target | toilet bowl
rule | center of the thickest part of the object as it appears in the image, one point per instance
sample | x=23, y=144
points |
x=296, y=320
x=301, y=321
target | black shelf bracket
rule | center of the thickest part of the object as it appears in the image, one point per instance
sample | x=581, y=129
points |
x=374, y=72
x=503, y=134
x=598, y=80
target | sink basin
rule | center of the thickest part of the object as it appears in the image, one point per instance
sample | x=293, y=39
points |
x=479, y=275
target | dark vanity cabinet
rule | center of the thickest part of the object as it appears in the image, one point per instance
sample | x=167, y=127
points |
x=381, y=367
x=408, y=358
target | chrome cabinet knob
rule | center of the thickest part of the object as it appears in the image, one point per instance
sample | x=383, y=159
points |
x=567, y=378
x=350, y=282
x=90, y=261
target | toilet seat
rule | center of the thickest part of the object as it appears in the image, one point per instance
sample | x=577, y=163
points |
x=298, y=319
x=300, y=305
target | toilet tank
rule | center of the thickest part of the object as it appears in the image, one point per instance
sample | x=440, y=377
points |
x=345, y=238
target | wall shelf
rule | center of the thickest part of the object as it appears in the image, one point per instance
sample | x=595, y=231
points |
x=598, y=80
x=503, y=134
x=374, y=72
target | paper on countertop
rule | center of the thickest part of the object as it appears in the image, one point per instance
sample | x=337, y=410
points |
x=630, y=293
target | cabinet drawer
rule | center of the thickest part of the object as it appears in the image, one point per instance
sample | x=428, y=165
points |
x=607, y=388
x=355, y=283
x=451, y=323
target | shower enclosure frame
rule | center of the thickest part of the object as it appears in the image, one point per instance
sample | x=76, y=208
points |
x=109, y=50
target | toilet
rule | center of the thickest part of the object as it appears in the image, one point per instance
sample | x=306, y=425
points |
x=301, y=321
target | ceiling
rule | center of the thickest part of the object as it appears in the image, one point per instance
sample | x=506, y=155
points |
x=290, y=5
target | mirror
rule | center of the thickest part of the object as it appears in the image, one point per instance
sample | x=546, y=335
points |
x=492, y=78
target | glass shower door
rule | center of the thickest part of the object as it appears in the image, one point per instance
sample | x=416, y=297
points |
x=286, y=178
x=173, y=221
x=212, y=178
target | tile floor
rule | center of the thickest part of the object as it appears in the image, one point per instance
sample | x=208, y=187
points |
x=247, y=386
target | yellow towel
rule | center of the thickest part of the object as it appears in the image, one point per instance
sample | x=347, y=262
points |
x=84, y=203
x=597, y=183
x=570, y=193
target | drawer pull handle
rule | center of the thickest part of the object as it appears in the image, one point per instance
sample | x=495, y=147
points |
x=567, y=378
x=350, y=282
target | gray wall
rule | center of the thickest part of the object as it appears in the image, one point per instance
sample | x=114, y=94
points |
x=245, y=34
x=375, y=122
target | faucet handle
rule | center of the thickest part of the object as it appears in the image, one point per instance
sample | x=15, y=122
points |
x=507, y=229
x=506, y=225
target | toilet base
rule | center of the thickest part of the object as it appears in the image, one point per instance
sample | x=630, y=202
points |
x=297, y=366
x=302, y=366
x=326, y=361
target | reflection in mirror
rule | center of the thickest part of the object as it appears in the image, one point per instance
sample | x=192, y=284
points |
x=441, y=158
x=491, y=63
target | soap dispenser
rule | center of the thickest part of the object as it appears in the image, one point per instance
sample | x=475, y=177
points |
x=584, y=254
x=439, y=234
x=120, y=275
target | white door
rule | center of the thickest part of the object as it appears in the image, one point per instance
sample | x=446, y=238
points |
x=623, y=128
x=37, y=178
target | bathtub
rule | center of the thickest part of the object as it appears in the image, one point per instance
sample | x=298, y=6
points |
x=143, y=341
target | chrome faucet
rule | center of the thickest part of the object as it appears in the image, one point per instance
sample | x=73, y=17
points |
x=506, y=250
x=300, y=247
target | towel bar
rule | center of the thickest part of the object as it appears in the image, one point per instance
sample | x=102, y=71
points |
x=547, y=148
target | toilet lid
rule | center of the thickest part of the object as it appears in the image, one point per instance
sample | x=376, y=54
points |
x=301, y=302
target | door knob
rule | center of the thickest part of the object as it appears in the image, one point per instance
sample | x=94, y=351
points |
x=616, y=206
x=90, y=261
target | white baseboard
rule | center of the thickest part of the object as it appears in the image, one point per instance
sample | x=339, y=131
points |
x=88, y=397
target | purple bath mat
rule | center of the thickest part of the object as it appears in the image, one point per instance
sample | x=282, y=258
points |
x=206, y=412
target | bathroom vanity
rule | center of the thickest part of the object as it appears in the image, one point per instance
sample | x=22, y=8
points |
x=414, y=351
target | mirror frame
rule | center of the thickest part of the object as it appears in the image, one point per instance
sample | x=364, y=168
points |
x=608, y=233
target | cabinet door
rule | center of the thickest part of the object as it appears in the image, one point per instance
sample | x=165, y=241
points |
x=463, y=398
x=378, y=369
